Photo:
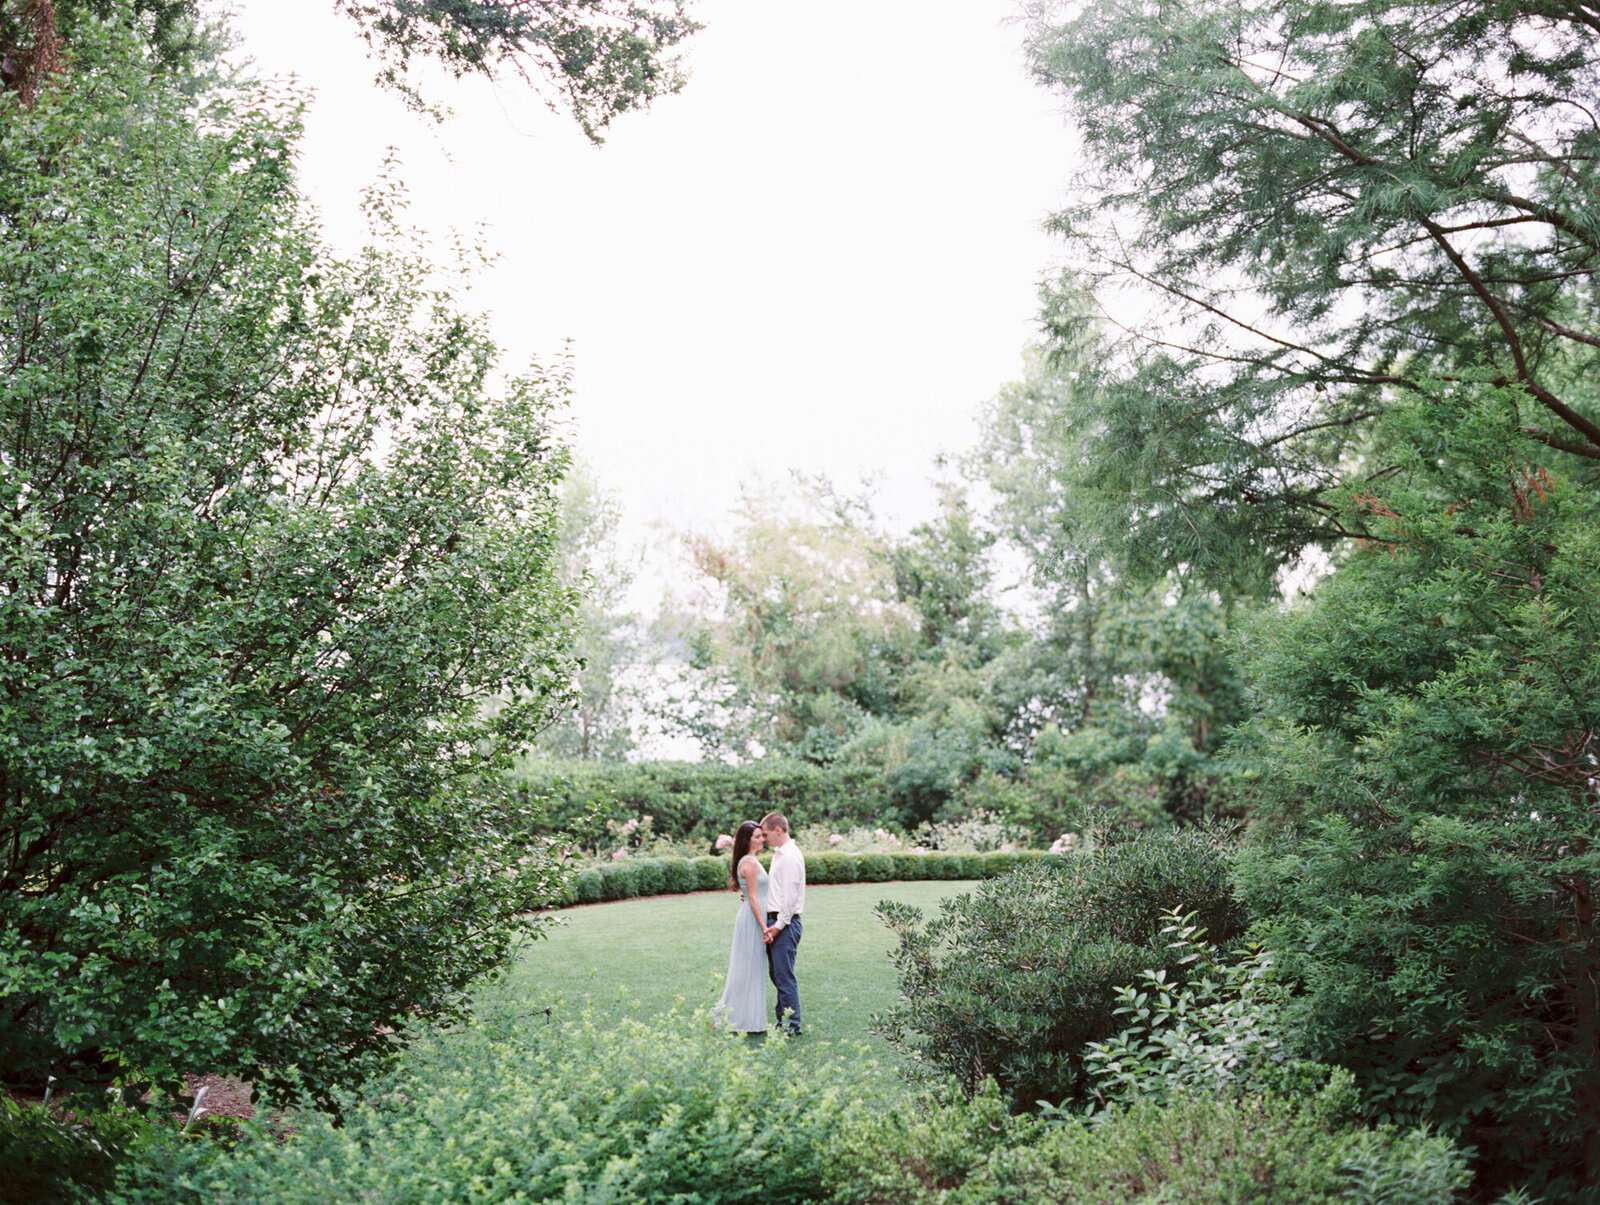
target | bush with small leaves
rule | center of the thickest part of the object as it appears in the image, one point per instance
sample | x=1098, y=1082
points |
x=711, y=874
x=1014, y=978
x=588, y=887
x=678, y=876
x=874, y=868
x=619, y=880
x=1200, y=1151
x=908, y=866
x=649, y=876
x=839, y=868
x=519, y=1108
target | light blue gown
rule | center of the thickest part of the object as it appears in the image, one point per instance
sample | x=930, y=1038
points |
x=744, y=996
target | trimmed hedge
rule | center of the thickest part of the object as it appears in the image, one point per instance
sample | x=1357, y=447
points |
x=627, y=878
x=698, y=800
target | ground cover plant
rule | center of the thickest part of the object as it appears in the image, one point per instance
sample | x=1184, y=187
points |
x=1194, y=1150
x=519, y=1108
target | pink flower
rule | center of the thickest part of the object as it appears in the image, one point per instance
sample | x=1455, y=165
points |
x=617, y=856
x=723, y=841
x=835, y=839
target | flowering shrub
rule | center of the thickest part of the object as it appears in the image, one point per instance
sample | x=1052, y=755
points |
x=857, y=839
x=980, y=832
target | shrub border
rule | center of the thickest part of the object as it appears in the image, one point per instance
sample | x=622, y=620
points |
x=630, y=878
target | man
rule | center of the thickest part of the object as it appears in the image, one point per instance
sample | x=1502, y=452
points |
x=786, y=900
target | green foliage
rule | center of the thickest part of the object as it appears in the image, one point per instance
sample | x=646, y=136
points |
x=711, y=874
x=874, y=868
x=1429, y=844
x=1316, y=203
x=833, y=868
x=602, y=57
x=678, y=876
x=626, y=878
x=696, y=800
x=608, y=639
x=522, y=1109
x=243, y=655
x=1219, y=1151
x=1013, y=980
x=906, y=865
x=799, y=618
x=1208, y=1026
x=47, y=1155
x=588, y=886
x=619, y=880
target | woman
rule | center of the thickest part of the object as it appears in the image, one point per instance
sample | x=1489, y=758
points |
x=744, y=996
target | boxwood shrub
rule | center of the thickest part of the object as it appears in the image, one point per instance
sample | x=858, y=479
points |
x=679, y=876
x=629, y=877
x=711, y=874
x=619, y=880
x=588, y=887
x=874, y=868
x=649, y=876
x=840, y=868
x=907, y=865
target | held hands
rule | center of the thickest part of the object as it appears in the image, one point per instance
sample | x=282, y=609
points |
x=768, y=933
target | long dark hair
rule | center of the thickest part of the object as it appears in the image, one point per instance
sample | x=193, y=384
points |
x=741, y=846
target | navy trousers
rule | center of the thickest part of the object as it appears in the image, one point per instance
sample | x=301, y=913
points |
x=780, y=965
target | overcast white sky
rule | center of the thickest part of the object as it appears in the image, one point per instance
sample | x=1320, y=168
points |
x=822, y=255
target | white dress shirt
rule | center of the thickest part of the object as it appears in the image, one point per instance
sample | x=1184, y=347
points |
x=786, y=884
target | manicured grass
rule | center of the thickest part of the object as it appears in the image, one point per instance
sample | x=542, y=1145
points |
x=642, y=957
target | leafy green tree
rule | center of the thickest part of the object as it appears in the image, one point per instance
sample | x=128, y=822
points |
x=1309, y=205
x=798, y=617
x=1366, y=239
x=609, y=640
x=602, y=58
x=1125, y=687
x=1428, y=749
x=268, y=539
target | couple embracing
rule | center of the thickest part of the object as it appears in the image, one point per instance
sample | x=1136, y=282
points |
x=766, y=931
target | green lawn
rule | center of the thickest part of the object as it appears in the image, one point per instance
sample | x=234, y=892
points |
x=645, y=956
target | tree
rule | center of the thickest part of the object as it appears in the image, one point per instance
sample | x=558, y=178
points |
x=1317, y=204
x=799, y=619
x=1429, y=840
x=268, y=540
x=608, y=638
x=1368, y=237
x=1136, y=673
x=605, y=57
x=602, y=57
